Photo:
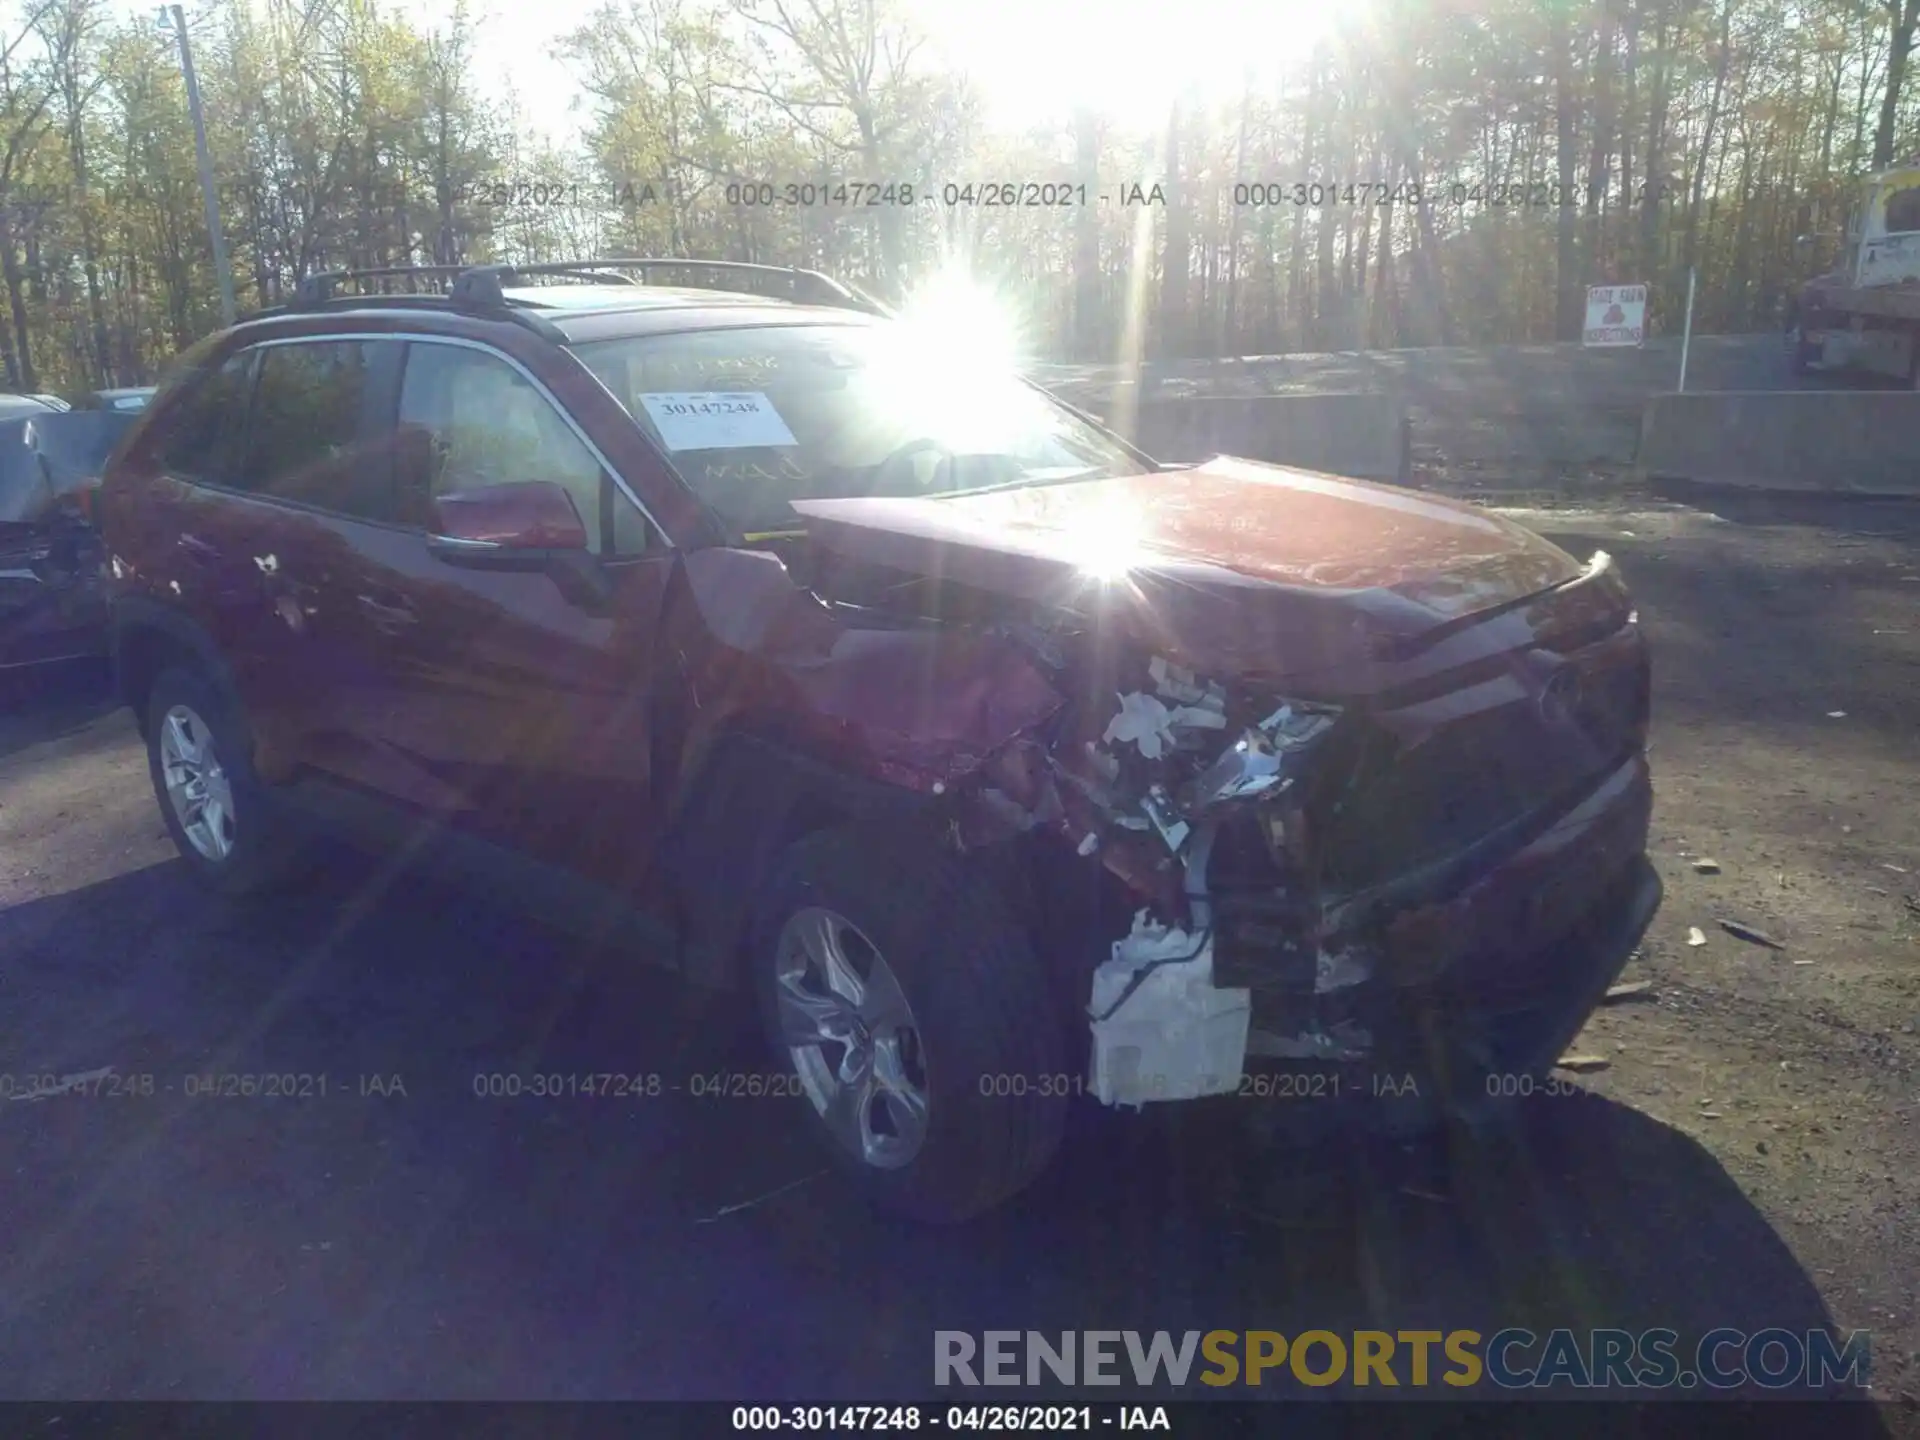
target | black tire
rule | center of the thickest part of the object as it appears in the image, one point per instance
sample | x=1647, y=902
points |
x=265, y=845
x=981, y=1004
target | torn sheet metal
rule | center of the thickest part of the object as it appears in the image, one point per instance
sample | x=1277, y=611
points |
x=1176, y=682
x=1143, y=722
x=1341, y=969
x=1345, y=1041
x=1250, y=767
x=1294, y=725
x=1161, y=1030
x=1165, y=817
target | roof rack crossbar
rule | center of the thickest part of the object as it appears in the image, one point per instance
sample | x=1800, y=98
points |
x=806, y=286
x=315, y=292
x=318, y=288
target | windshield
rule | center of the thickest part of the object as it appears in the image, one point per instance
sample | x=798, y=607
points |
x=757, y=418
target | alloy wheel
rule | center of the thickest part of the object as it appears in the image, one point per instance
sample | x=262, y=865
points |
x=853, y=1038
x=197, y=785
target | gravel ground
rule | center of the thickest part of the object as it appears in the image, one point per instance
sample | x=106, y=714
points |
x=1746, y=1159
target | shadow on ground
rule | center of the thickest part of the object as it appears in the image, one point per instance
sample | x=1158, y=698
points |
x=448, y=1242
x=50, y=702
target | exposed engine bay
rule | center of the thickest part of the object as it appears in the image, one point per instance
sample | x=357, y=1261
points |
x=1177, y=763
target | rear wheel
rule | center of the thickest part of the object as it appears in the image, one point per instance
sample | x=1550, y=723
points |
x=900, y=989
x=224, y=823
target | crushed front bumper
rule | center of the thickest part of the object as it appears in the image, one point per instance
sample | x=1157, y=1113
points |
x=1440, y=1059
x=1529, y=950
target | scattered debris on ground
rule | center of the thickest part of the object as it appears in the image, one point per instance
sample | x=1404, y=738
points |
x=1579, y=1064
x=1696, y=936
x=1750, y=935
x=1630, y=990
x=1705, y=866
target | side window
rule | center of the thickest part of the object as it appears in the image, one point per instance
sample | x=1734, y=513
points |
x=489, y=425
x=1903, y=211
x=204, y=433
x=305, y=439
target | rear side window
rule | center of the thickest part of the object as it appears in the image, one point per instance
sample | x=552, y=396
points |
x=203, y=433
x=307, y=432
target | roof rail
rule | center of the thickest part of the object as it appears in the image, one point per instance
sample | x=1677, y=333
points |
x=803, y=286
x=316, y=292
x=481, y=289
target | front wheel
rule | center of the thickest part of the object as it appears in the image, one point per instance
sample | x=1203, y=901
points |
x=897, y=984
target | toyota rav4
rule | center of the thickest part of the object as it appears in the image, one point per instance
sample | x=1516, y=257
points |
x=1002, y=767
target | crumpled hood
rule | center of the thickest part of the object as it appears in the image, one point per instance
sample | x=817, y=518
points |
x=1234, y=565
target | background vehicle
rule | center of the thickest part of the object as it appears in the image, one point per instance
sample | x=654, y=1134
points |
x=130, y=399
x=52, y=597
x=1000, y=764
x=1864, y=313
x=16, y=406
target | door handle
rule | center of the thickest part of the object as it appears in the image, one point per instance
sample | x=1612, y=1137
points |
x=388, y=617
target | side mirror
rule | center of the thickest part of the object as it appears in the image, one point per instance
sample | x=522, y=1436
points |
x=528, y=519
x=528, y=525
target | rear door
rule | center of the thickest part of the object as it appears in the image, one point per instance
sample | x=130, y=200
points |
x=198, y=557
x=308, y=512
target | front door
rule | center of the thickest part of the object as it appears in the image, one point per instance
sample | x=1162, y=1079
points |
x=522, y=712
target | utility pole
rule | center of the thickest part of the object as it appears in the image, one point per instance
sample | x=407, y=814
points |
x=220, y=270
x=1686, y=335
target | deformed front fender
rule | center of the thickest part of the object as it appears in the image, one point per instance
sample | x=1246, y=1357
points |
x=795, y=715
x=918, y=706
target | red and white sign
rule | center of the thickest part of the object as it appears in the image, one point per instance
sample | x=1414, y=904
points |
x=1616, y=315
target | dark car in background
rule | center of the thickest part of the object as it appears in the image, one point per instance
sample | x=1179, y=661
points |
x=126, y=400
x=14, y=406
x=52, y=599
x=1004, y=768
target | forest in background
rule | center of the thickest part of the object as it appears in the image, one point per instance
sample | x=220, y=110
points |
x=1678, y=133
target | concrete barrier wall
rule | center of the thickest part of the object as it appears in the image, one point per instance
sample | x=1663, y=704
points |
x=1824, y=441
x=1364, y=435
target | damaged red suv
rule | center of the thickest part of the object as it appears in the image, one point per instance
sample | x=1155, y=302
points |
x=1005, y=769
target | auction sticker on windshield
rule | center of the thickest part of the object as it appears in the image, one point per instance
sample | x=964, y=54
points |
x=710, y=420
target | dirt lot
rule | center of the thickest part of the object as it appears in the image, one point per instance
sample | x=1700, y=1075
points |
x=1787, y=663
x=1747, y=1158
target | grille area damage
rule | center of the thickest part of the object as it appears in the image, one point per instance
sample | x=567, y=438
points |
x=1239, y=822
